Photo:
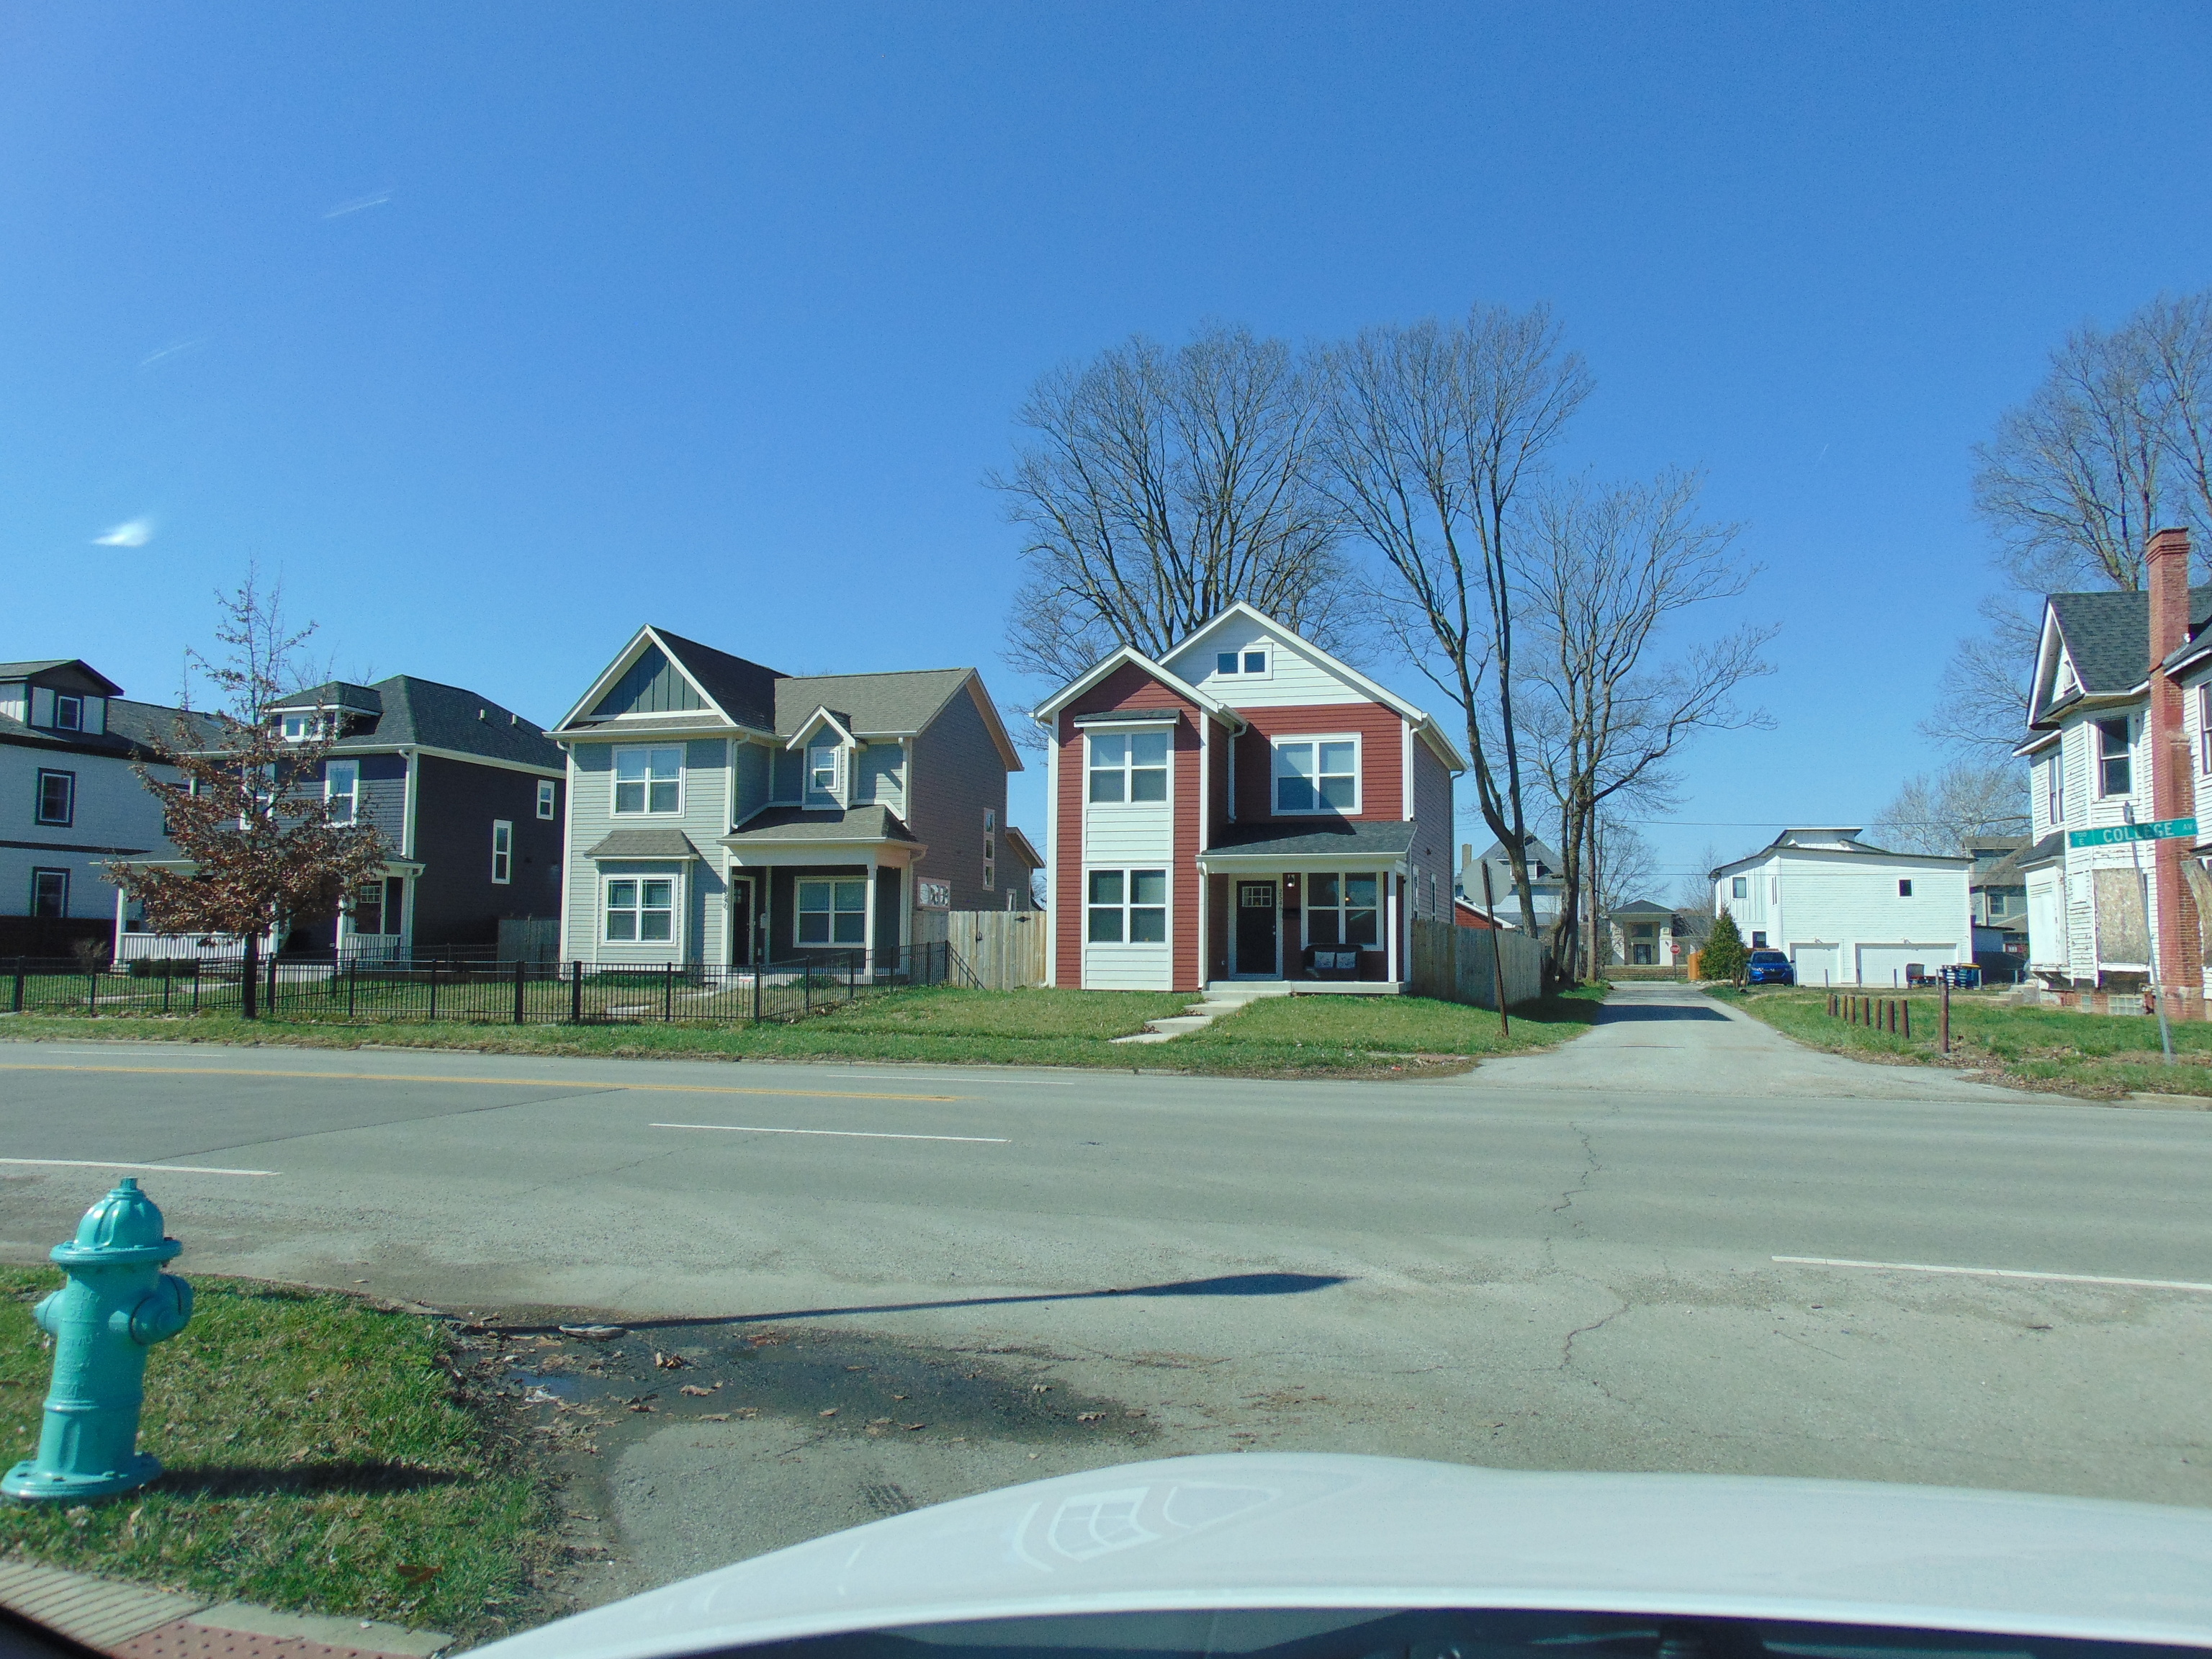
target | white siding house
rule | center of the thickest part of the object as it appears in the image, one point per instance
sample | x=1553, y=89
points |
x=1846, y=912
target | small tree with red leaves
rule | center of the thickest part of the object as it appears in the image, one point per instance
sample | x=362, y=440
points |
x=260, y=848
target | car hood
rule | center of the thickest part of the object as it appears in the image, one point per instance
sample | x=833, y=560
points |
x=1297, y=1530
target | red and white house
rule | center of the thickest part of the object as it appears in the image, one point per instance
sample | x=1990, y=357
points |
x=1250, y=808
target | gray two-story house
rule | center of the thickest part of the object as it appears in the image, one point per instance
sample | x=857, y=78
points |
x=722, y=813
x=469, y=797
x=71, y=801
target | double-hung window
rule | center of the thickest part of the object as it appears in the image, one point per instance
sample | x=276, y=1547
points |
x=648, y=780
x=57, y=799
x=50, y=893
x=2054, y=780
x=641, y=908
x=1341, y=909
x=68, y=714
x=503, y=852
x=368, y=908
x=341, y=789
x=1318, y=774
x=1128, y=907
x=2115, y=764
x=545, y=797
x=821, y=769
x=1129, y=766
x=833, y=912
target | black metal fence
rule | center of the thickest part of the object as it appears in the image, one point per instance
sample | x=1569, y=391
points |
x=377, y=989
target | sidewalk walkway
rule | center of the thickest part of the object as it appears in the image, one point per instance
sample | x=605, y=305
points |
x=133, y=1622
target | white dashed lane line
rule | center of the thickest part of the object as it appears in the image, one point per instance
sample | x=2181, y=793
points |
x=1995, y=1273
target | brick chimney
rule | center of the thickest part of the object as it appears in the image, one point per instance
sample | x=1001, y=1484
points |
x=2173, y=795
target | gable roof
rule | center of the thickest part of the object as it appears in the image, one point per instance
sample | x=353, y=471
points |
x=133, y=729
x=2107, y=638
x=1241, y=611
x=1536, y=851
x=1642, y=908
x=744, y=690
x=24, y=670
x=1129, y=656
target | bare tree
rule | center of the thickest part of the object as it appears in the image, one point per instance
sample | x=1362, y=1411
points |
x=1628, y=870
x=1156, y=488
x=2116, y=441
x=1693, y=892
x=262, y=847
x=1435, y=430
x=1940, y=814
x=1608, y=573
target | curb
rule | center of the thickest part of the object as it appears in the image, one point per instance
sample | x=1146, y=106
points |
x=134, y=1622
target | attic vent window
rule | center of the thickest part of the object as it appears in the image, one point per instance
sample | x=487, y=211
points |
x=68, y=714
x=1904, y=890
x=1240, y=662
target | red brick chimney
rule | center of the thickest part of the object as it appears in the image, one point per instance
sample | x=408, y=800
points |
x=2173, y=795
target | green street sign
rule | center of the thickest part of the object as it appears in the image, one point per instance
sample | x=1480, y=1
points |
x=2164, y=830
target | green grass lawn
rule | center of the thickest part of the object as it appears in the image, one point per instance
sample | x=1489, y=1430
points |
x=317, y=1460
x=2100, y=1056
x=941, y=1025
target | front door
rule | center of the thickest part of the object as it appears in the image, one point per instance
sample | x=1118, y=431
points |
x=741, y=922
x=1255, y=928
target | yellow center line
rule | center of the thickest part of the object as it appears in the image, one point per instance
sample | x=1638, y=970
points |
x=493, y=1082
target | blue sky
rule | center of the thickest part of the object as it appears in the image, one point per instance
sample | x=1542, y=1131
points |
x=502, y=329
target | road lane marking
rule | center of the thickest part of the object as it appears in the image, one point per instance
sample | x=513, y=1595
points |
x=107, y=1163
x=1996, y=1272
x=849, y=1134
x=495, y=1082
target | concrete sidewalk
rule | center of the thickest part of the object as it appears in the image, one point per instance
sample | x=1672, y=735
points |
x=134, y=1622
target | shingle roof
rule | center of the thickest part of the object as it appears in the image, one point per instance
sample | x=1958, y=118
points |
x=1330, y=838
x=23, y=671
x=1538, y=853
x=132, y=728
x=2108, y=635
x=789, y=824
x=1641, y=908
x=2051, y=847
x=661, y=843
x=745, y=689
x=432, y=716
x=904, y=701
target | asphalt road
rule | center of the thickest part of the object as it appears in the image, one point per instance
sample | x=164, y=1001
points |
x=1568, y=1261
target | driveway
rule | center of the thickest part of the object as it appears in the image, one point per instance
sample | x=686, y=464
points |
x=1672, y=1041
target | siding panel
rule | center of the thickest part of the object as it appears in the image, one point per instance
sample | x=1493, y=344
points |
x=1381, y=756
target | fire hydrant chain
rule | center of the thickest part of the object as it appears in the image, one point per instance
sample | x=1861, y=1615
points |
x=117, y=1304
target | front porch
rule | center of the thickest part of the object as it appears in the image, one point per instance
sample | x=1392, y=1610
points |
x=823, y=886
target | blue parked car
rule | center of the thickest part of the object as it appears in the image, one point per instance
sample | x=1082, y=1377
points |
x=1769, y=968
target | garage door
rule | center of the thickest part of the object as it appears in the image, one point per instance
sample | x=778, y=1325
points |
x=1885, y=965
x=1817, y=965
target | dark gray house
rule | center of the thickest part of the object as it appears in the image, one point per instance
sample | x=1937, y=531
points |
x=471, y=799
x=724, y=813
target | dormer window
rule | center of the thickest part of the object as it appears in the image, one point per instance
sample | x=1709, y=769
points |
x=300, y=729
x=69, y=713
x=821, y=769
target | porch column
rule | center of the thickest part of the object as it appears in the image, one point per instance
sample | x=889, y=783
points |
x=1390, y=968
x=868, y=923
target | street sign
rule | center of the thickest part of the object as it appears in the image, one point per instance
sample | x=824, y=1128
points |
x=2164, y=830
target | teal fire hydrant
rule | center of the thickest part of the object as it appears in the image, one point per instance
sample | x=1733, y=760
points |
x=117, y=1304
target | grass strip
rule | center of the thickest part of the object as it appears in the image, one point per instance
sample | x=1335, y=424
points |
x=1273, y=1037
x=2095, y=1056
x=318, y=1458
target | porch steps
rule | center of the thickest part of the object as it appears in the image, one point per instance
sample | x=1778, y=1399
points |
x=1223, y=997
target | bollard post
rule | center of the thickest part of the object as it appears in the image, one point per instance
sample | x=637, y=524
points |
x=117, y=1304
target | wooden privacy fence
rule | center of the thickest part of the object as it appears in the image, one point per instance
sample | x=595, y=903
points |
x=1460, y=964
x=1000, y=949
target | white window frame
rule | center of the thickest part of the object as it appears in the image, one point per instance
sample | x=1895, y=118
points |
x=834, y=889
x=648, y=780
x=1240, y=663
x=636, y=908
x=350, y=794
x=2054, y=780
x=1342, y=908
x=835, y=751
x=37, y=874
x=1126, y=769
x=297, y=726
x=546, y=797
x=1312, y=741
x=70, y=704
x=38, y=799
x=990, y=848
x=1122, y=901
x=1739, y=887
x=503, y=852
x=2104, y=759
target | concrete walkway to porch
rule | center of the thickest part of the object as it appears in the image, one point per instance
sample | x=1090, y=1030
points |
x=1226, y=996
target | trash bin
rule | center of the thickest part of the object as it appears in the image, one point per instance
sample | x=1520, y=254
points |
x=1962, y=975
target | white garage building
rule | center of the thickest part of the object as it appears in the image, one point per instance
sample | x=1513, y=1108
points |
x=1846, y=912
